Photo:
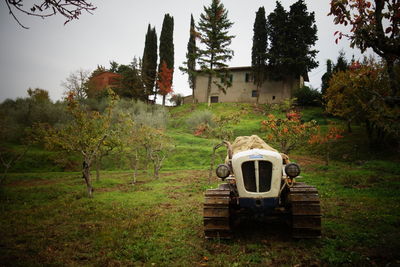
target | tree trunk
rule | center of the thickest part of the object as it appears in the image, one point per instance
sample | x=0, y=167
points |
x=156, y=169
x=394, y=86
x=349, y=130
x=3, y=179
x=258, y=95
x=136, y=166
x=86, y=176
x=157, y=164
x=163, y=100
x=9, y=164
x=210, y=80
x=155, y=96
x=209, y=89
x=327, y=156
x=98, y=161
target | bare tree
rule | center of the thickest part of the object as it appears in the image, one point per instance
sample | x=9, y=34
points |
x=76, y=83
x=8, y=159
x=70, y=9
x=9, y=154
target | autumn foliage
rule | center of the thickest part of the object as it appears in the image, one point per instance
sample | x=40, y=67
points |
x=322, y=142
x=333, y=133
x=164, y=81
x=358, y=95
x=288, y=133
x=376, y=25
x=366, y=18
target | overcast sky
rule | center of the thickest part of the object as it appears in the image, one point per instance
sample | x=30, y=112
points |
x=44, y=55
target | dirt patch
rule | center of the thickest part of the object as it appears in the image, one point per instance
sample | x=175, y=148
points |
x=307, y=162
x=120, y=187
x=189, y=177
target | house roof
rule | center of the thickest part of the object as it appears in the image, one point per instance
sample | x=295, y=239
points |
x=107, y=73
x=104, y=79
x=244, y=68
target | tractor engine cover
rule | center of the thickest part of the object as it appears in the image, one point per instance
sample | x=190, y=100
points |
x=258, y=173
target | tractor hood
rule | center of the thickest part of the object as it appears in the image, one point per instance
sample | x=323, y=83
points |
x=258, y=173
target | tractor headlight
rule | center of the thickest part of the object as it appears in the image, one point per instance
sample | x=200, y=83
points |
x=223, y=171
x=292, y=170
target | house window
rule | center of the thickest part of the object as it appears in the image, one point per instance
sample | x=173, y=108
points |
x=249, y=78
x=214, y=99
x=254, y=93
x=273, y=97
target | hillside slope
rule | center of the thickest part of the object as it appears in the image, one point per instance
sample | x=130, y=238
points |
x=46, y=218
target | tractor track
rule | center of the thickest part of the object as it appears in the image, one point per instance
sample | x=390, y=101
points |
x=217, y=214
x=305, y=210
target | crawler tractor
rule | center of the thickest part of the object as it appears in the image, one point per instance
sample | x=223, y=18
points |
x=260, y=181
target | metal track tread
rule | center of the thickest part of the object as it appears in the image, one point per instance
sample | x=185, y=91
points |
x=217, y=214
x=306, y=211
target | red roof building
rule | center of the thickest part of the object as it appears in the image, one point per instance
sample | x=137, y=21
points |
x=103, y=80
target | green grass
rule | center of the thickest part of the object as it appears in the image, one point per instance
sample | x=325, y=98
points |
x=46, y=218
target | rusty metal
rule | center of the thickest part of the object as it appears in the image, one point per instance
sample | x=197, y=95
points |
x=229, y=148
x=217, y=214
x=305, y=210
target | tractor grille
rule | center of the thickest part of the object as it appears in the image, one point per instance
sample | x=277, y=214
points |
x=257, y=176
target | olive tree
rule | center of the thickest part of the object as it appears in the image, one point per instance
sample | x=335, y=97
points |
x=87, y=133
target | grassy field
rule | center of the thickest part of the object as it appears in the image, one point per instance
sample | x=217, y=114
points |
x=46, y=218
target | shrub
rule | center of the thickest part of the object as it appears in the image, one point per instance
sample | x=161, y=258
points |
x=307, y=96
x=205, y=124
x=22, y=113
x=222, y=133
x=322, y=142
x=204, y=117
x=286, y=105
x=97, y=104
x=143, y=114
x=232, y=118
x=288, y=133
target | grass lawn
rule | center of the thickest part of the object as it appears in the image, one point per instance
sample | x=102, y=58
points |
x=46, y=218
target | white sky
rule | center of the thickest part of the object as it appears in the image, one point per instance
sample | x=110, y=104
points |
x=44, y=55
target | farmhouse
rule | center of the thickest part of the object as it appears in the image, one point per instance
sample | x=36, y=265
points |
x=243, y=89
x=102, y=80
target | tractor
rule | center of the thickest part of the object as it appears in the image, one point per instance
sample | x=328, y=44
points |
x=258, y=180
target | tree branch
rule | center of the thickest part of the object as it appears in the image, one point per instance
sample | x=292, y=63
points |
x=70, y=9
x=13, y=15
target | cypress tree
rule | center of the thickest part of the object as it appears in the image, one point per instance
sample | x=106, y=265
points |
x=277, y=29
x=167, y=46
x=149, y=62
x=213, y=33
x=326, y=77
x=304, y=32
x=259, y=49
x=292, y=35
x=190, y=63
